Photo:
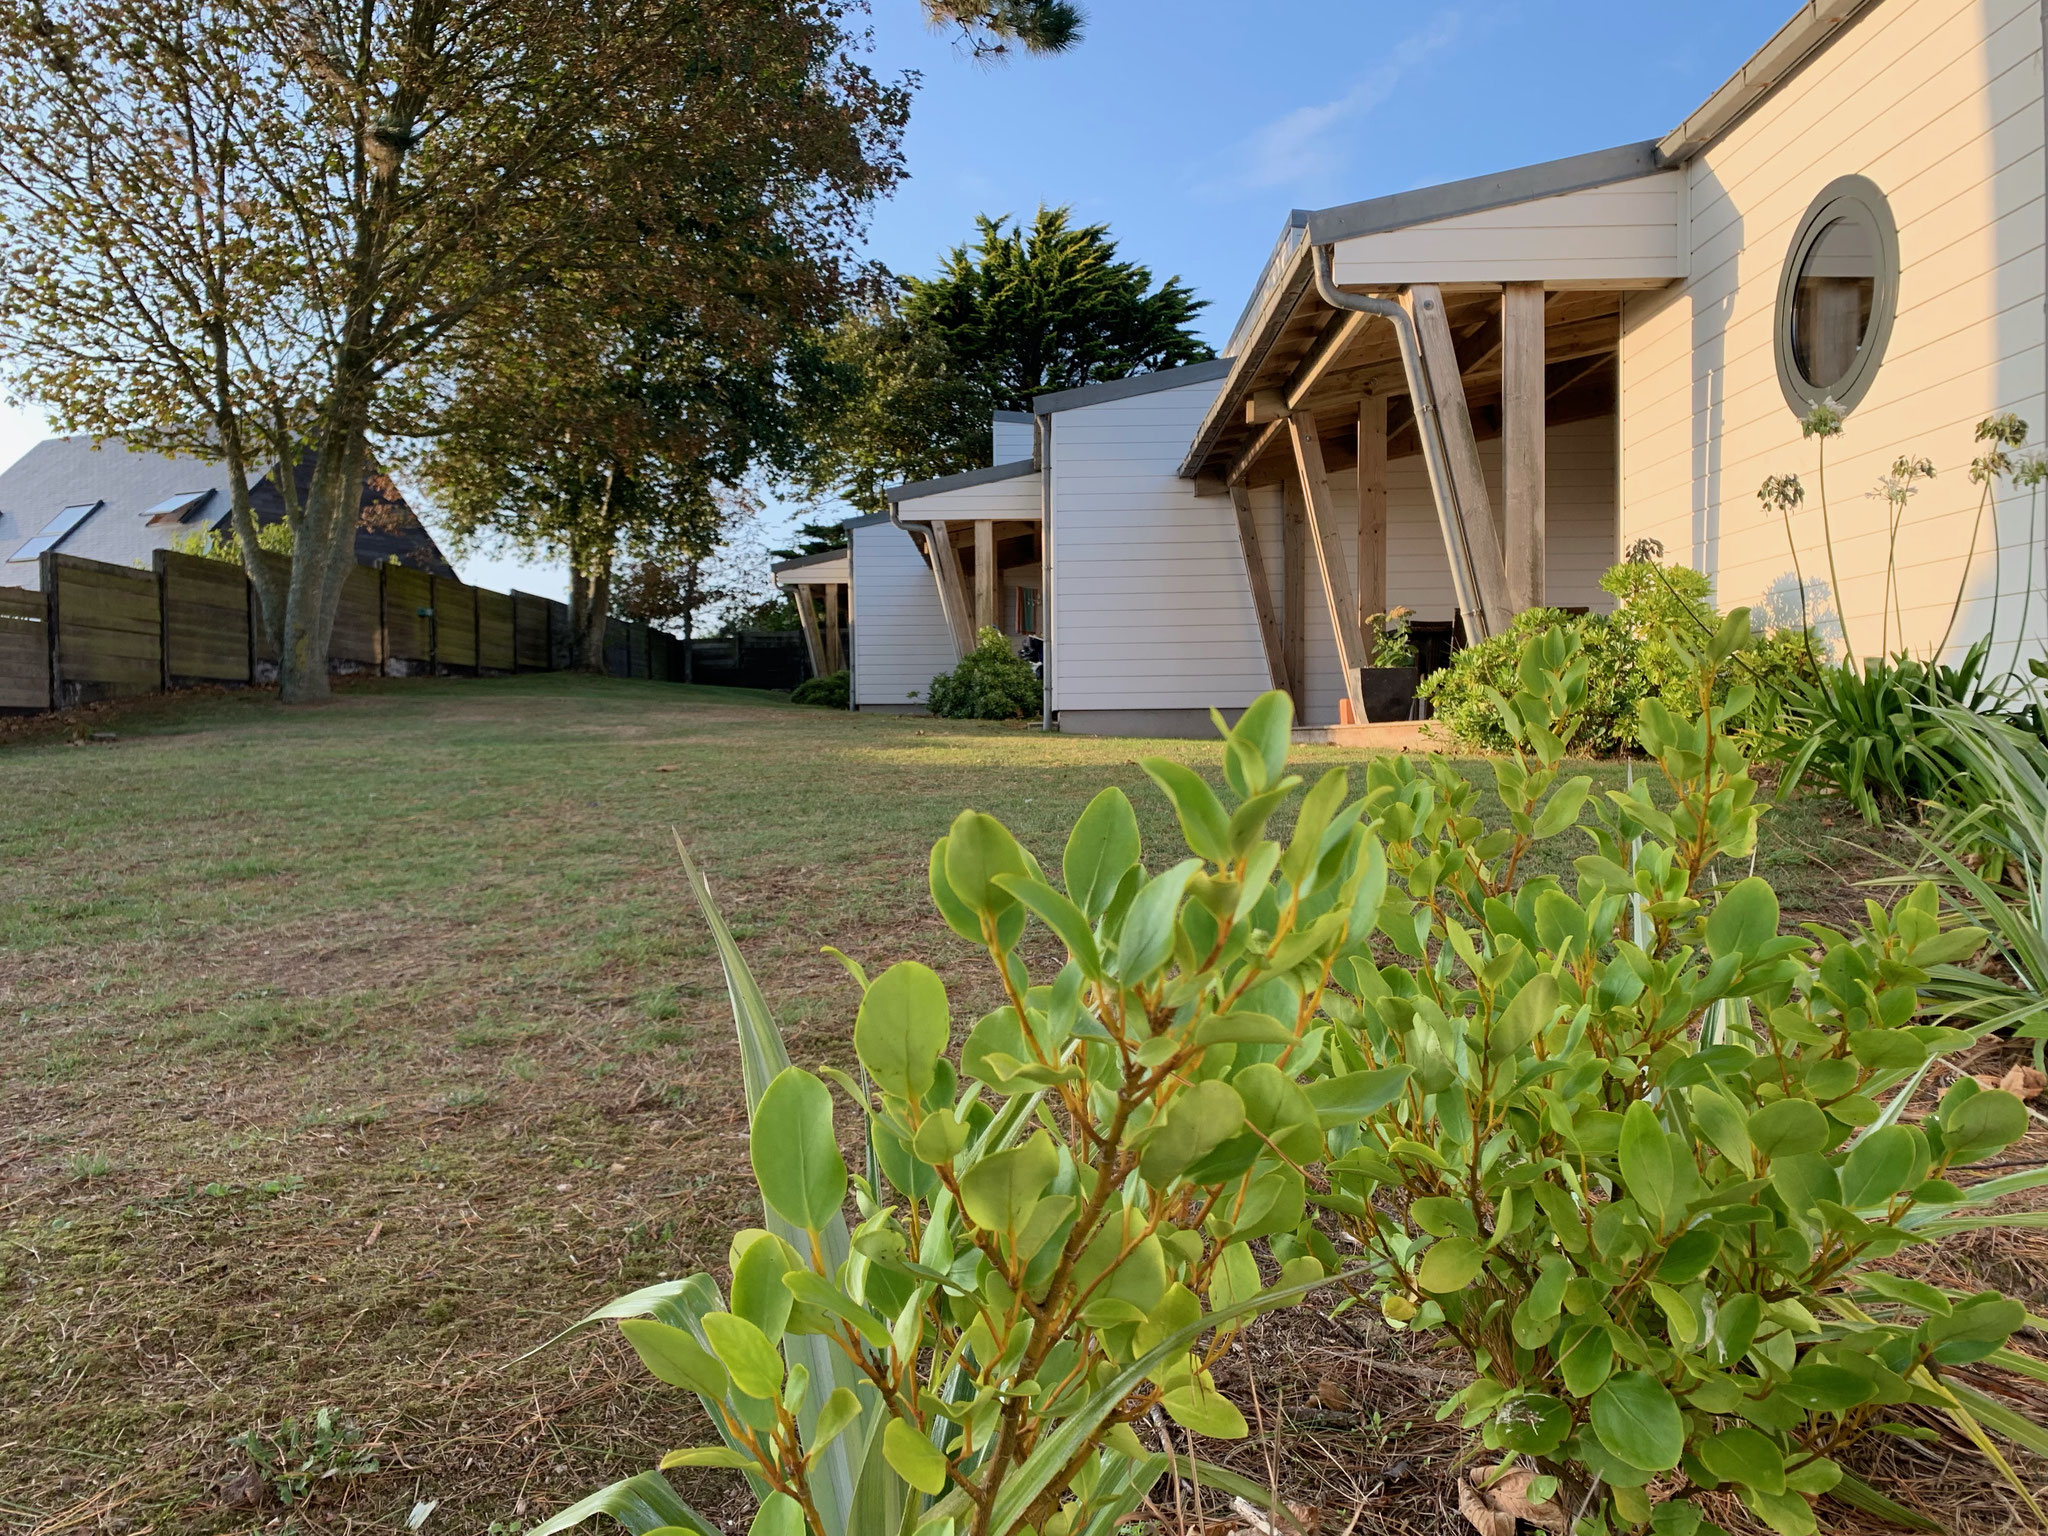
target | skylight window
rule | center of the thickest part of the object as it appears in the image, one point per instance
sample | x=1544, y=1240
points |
x=34, y=547
x=55, y=531
x=178, y=508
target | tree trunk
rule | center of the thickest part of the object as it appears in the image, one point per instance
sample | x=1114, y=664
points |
x=590, y=599
x=322, y=551
x=271, y=587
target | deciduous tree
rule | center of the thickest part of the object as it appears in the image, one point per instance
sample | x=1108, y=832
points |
x=240, y=222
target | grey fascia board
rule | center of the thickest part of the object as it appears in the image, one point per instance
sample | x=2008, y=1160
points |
x=1282, y=301
x=1476, y=194
x=1020, y=418
x=805, y=562
x=959, y=482
x=865, y=522
x=1810, y=30
x=1136, y=384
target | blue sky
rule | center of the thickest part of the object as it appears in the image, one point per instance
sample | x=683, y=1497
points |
x=1191, y=127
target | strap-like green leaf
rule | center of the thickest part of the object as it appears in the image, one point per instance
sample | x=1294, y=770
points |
x=641, y=1504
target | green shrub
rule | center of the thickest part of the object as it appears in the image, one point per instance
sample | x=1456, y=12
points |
x=1624, y=1144
x=832, y=691
x=1627, y=654
x=992, y=682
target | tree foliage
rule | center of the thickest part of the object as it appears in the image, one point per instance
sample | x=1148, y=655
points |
x=914, y=373
x=240, y=222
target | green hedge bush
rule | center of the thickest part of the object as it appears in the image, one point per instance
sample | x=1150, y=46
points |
x=1627, y=653
x=992, y=682
x=832, y=691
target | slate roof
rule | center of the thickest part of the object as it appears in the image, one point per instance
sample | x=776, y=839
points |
x=62, y=472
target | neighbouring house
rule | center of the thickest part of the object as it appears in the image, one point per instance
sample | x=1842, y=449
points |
x=103, y=502
x=1471, y=399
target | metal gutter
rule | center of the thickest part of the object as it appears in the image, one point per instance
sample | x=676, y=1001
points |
x=1814, y=26
x=1476, y=194
x=1136, y=384
x=1429, y=429
x=960, y=482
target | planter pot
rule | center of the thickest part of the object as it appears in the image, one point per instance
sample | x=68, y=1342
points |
x=1389, y=691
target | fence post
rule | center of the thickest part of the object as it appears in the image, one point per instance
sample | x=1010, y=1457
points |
x=48, y=576
x=163, y=622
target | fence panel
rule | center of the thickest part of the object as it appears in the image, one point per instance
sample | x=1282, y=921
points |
x=618, y=649
x=109, y=630
x=495, y=649
x=561, y=643
x=454, y=624
x=408, y=620
x=530, y=633
x=207, y=618
x=24, y=650
x=357, y=641
x=773, y=658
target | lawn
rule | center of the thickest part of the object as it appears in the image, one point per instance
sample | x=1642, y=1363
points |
x=358, y=1049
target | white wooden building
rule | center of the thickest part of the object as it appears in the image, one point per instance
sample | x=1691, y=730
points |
x=1609, y=348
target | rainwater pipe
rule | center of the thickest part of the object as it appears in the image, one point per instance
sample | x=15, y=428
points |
x=1429, y=429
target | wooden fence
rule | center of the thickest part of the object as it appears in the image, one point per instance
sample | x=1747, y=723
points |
x=99, y=631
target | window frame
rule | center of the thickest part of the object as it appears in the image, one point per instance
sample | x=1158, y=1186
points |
x=1858, y=198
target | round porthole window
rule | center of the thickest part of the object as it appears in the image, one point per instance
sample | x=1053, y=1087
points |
x=1837, y=295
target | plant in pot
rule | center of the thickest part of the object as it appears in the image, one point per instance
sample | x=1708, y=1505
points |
x=1389, y=684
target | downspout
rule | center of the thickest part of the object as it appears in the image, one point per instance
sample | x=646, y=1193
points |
x=1043, y=445
x=1429, y=429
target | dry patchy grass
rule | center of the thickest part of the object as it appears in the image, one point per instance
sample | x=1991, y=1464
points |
x=353, y=1051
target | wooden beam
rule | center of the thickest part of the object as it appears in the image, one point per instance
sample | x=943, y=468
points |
x=1474, y=511
x=1372, y=513
x=1294, y=593
x=1522, y=395
x=835, y=650
x=985, y=586
x=1271, y=636
x=1480, y=345
x=1265, y=405
x=807, y=616
x=1254, y=450
x=952, y=587
x=1335, y=340
x=1322, y=522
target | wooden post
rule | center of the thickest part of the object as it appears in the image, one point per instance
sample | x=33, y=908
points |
x=834, y=659
x=1522, y=458
x=1271, y=636
x=807, y=616
x=984, y=576
x=952, y=587
x=1294, y=594
x=1322, y=522
x=1461, y=449
x=1372, y=515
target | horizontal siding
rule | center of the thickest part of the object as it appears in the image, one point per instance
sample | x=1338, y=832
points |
x=1149, y=603
x=1000, y=500
x=1939, y=103
x=1625, y=232
x=900, y=639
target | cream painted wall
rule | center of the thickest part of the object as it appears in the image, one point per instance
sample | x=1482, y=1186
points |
x=1940, y=103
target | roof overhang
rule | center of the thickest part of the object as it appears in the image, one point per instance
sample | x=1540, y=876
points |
x=825, y=567
x=1270, y=339
x=1136, y=384
x=917, y=489
x=1814, y=26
